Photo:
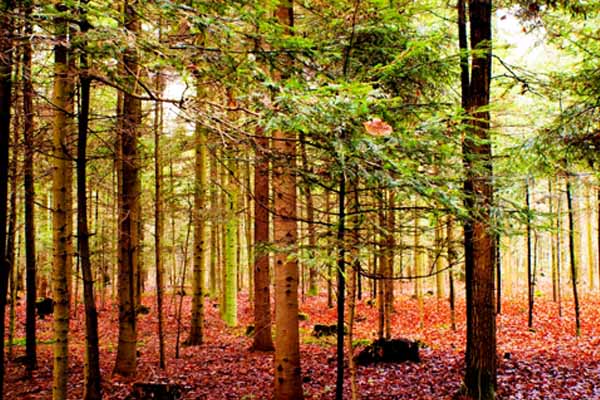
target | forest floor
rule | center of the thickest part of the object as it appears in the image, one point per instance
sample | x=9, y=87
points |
x=547, y=362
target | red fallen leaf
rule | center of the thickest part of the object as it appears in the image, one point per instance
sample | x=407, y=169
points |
x=377, y=127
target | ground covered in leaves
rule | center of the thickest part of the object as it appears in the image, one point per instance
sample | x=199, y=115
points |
x=547, y=362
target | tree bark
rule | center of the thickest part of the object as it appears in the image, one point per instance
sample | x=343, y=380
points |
x=197, y=317
x=159, y=219
x=480, y=374
x=263, y=340
x=30, y=237
x=128, y=208
x=529, y=255
x=230, y=283
x=60, y=277
x=92, y=377
x=573, y=257
x=288, y=384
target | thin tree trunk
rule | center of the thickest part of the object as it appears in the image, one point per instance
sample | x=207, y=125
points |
x=92, y=377
x=159, y=219
x=553, y=240
x=129, y=211
x=329, y=266
x=181, y=290
x=389, y=272
x=310, y=217
x=263, y=340
x=341, y=288
x=197, y=318
x=288, y=384
x=6, y=46
x=589, y=236
x=382, y=270
x=439, y=277
x=529, y=255
x=418, y=268
x=573, y=257
x=12, y=229
x=60, y=287
x=30, y=236
x=452, y=257
x=230, y=283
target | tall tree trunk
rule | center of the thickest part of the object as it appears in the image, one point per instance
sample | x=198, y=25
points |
x=382, y=270
x=418, y=260
x=288, y=384
x=439, y=277
x=480, y=374
x=389, y=272
x=30, y=237
x=589, y=236
x=129, y=207
x=6, y=45
x=92, y=377
x=262, y=299
x=60, y=222
x=529, y=255
x=310, y=217
x=341, y=295
x=452, y=258
x=573, y=252
x=159, y=219
x=12, y=225
x=230, y=283
x=197, y=317
x=329, y=266
x=214, y=231
x=553, y=239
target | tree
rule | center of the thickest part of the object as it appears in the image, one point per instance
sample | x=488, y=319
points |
x=93, y=390
x=480, y=374
x=197, y=322
x=263, y=340
x=129, y=205
x=60, y=221
x=6, y=31
x=288, y=383
x=30, y=236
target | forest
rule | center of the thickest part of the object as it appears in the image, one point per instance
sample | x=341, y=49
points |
x=299, y=199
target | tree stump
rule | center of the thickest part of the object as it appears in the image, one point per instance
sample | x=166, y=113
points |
x=393, y=350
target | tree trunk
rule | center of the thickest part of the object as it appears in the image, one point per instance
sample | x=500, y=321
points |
x=389, y=272
x=159, y=219
x=128, y=213
x=197, y=317
x=529, y=255
x=439, y=277
x=30, y=237
x=452, y=258
x=6, y=30
x=310, y=217
x=60, y=213
x=341, y=280
x=263, y=340
x=230, y=284
x=12, y=227
x=589, y=236
x=92, y=377
x=480, y=374
x=573, y=257
x=418, y=260
x=288, y=384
